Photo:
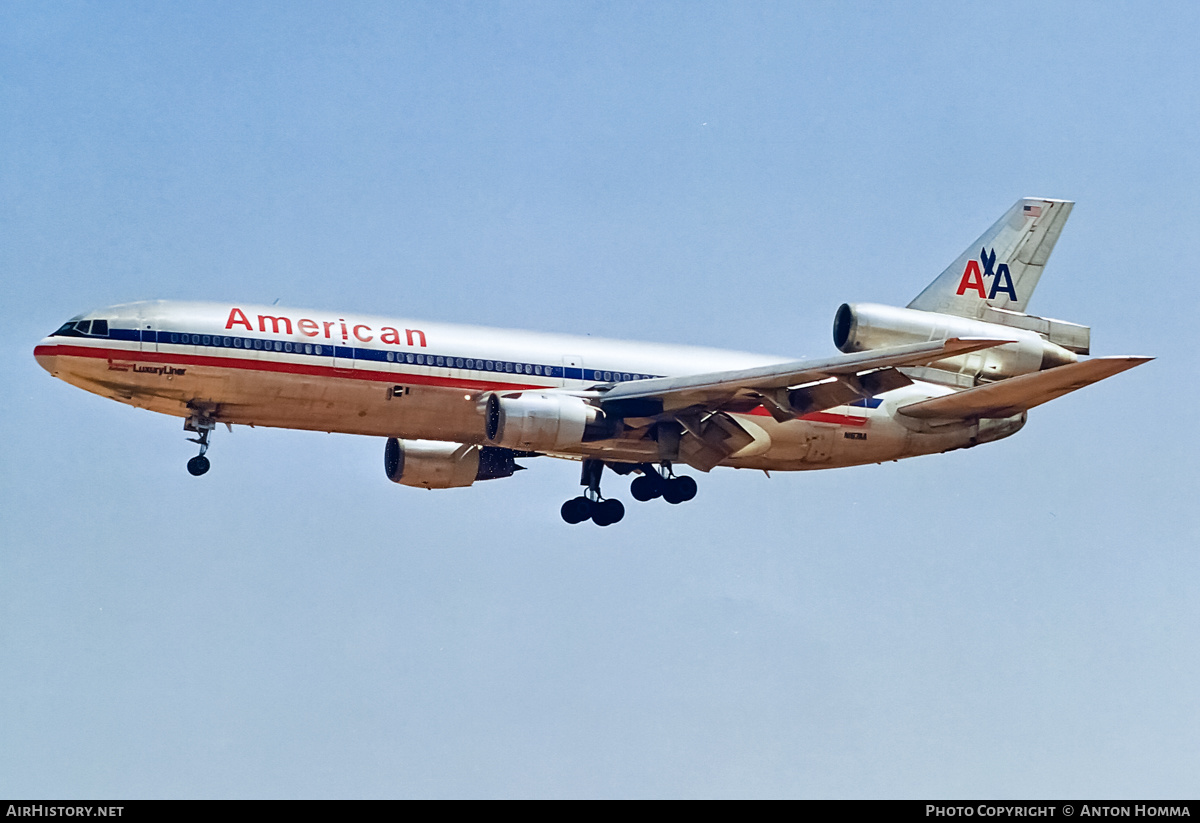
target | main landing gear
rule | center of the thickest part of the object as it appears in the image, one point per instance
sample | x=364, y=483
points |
x=203, y=426
x=591, y=505
x=666, y=485
x=653, y=483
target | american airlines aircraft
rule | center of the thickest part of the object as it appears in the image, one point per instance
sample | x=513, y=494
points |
x=961, y=365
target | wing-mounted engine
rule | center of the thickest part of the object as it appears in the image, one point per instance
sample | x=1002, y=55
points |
x=865, y=326
x=544, y=421
x=435, y=464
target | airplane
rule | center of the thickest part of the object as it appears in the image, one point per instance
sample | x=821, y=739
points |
x=960, y=365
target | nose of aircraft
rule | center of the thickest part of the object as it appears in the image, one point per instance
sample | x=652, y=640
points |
x=44, y=353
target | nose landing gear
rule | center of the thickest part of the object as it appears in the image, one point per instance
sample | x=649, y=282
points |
x=202, y=426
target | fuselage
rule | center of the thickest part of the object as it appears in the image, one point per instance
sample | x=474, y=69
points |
x=315, y=370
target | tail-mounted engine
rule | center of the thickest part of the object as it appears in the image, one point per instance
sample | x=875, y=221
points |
x=543, y=421
x=864, y=326
x=434, y=464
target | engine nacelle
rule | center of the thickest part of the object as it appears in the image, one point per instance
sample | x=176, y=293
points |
x=866, y=326
x=435, y=464
x=541, y=420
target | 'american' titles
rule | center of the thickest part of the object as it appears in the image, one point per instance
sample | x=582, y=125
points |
x=312, y=328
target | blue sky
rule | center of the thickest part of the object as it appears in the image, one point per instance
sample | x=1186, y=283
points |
x=1014, y=620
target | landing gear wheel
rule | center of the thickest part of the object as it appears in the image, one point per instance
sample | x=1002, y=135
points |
x=679, y=489
x=687, y=487
x=646, y=488
x=202, y=426
x=576, y=510
x=608, y=512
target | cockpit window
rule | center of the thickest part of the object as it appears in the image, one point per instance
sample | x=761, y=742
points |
x=79, y=328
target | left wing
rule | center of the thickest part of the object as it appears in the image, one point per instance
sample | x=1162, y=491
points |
x=787, y=390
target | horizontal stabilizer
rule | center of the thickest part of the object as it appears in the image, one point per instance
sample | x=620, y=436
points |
x=1018, y=394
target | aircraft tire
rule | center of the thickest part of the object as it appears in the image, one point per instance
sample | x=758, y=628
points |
x=672, y=493
x=608, y=512
x=645, y=488
x=679, y=490
x=687, y=487
x=198, y=465
x=576, y=510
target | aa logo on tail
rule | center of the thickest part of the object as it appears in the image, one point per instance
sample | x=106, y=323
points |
x=972, y=278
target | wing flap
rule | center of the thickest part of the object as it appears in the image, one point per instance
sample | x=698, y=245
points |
x=1018, y=394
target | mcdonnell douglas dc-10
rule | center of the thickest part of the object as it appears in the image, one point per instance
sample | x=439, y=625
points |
x=961, y=365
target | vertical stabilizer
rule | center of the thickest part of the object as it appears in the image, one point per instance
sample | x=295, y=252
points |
x=1002, y=268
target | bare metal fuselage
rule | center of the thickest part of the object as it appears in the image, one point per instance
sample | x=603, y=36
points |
x=287, y=368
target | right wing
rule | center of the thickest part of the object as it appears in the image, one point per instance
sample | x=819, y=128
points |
x=691, y=414
x=787, y=390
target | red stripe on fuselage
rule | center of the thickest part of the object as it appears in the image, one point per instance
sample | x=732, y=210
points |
x=819, y=417
x=274, y=366
x=245, y=364
x=839, y=419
